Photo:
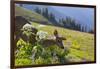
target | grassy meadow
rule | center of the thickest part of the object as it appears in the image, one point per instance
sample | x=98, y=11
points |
x=79, y=45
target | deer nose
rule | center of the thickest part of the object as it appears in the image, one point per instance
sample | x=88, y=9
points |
x=62, y=47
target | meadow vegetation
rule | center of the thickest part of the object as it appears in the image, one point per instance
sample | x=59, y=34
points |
x=79, y=47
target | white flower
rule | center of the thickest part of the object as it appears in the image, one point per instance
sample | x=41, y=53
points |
x=27, y=27
x=42, y=34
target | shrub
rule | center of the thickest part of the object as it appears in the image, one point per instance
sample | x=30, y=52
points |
x=42, y=55
x=24, y=48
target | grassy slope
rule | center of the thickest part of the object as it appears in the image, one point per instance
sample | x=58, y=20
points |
x=19, y=11
x=80, y=45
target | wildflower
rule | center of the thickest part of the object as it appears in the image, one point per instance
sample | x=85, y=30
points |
x=42, y=34
x=27, y=27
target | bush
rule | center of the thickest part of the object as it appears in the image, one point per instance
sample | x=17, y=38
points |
x=37, y=54
x=24, y=49
x=47, y=55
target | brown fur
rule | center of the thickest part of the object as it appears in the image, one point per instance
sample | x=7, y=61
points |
x=51, y=41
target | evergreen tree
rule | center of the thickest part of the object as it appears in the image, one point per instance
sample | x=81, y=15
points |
x=83, y=30
x=38, y=10
x=52, y=18
x=68, y=22
x=46, y=13
x=91, y=31
x=64, y=22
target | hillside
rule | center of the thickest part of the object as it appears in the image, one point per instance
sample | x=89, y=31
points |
x=79, y=48
x=80, y=45
x=87, y=13
x=20, y=11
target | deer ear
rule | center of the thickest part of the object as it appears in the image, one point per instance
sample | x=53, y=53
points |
x=55, y=32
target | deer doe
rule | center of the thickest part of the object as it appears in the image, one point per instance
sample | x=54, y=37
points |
x=58, y=40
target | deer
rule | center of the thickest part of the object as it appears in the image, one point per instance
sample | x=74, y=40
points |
x=57, y=40
x=49, y=41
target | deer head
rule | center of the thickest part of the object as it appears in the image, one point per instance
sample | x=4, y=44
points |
x=59, y=39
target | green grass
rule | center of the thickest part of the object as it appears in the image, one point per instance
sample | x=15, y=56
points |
x=23, y=61
x=20, y=11
x=80, y=44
